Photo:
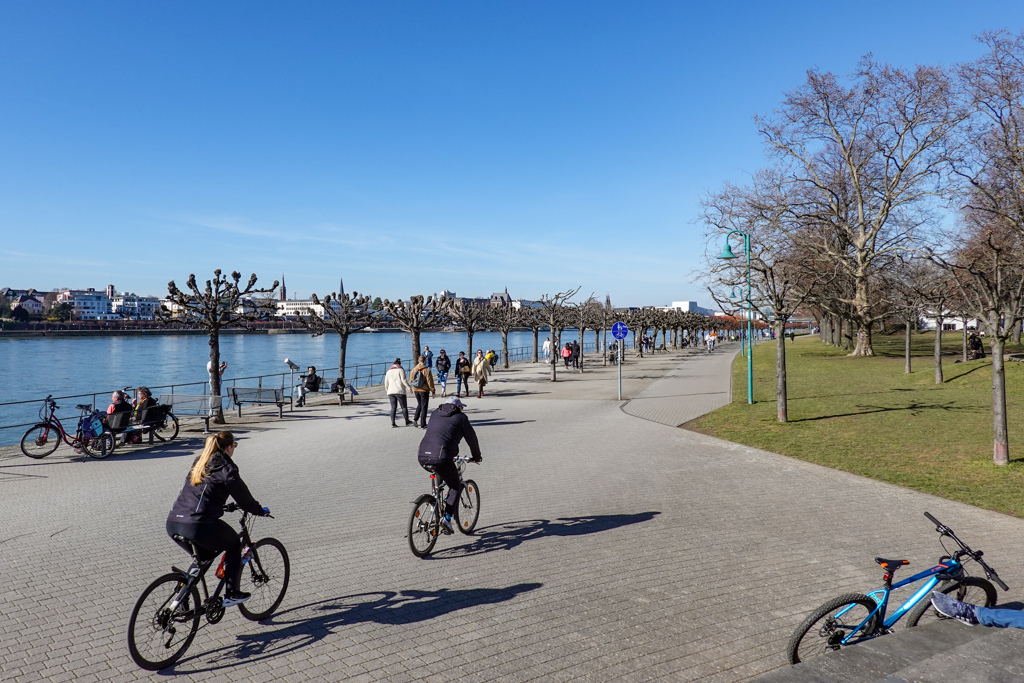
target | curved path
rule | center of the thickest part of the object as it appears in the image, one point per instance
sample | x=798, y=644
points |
x=609, y=547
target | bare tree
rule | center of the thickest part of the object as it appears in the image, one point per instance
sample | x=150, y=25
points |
x=505, y=319
x=470, y=316
x=344, y=314
x=553, y=308
x=417, y=315
x=862, y=158
x=220, y=304
x=581, y=314
x=533, y=318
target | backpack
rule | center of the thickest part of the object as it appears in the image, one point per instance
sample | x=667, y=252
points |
x=417, y=380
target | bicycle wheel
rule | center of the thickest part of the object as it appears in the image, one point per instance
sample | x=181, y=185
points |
x=424, y=525
x=168, y=430
x=967, y=589
x=100, y=446
x=468, y=510
x=158, y=635
x=265, y=576
x=823, y=630
x=40, y=440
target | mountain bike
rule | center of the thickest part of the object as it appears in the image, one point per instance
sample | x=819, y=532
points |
x=166, y=616
x=855, y=617
x=428, y=509
x=91, y=435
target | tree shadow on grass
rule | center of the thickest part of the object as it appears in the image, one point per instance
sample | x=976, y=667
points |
x=510, y=535
x=308, y=624
x=914, y=408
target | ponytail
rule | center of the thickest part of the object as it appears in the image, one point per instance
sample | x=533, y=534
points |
x=214, y=443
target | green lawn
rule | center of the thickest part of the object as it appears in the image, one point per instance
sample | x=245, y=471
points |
x=864, y=415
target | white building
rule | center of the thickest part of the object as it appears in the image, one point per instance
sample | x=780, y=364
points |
x=130, y=305
x=29, y=303
x=88, y=304
x=949, y=322
x=293, y=308
x=689, y=307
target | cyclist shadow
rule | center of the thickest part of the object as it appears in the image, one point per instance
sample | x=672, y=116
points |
x=308, y=624
x=512, y=534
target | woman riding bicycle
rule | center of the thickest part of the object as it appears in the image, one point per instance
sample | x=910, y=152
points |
x=196, y=515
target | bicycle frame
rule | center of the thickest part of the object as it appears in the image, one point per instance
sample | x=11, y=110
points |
x=948, y=569
x=197, y=571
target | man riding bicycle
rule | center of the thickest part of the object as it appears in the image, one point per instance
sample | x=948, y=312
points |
x=439, y=447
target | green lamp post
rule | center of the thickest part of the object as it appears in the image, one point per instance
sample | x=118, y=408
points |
x=727, y=254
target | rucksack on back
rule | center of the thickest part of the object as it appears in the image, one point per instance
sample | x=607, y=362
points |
x=417, y=379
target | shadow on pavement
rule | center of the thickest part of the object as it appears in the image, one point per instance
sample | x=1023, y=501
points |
x=495, y=422
x=308, y=624
x=508, y=536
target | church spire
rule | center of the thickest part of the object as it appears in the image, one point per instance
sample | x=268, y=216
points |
x=341, y=287
x=284, y=292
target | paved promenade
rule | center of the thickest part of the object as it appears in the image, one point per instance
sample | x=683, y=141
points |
x=609, y=547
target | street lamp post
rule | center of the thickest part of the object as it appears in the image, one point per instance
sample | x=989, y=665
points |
x=727, y=254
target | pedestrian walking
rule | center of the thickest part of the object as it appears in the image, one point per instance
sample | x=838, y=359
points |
x=576, y=355
x=422, y=381
x=547, y=348
x=567, y=354
x=429, y=356
x=481, y=369
x=463, y=369
x=443, y=365
x=397, y=387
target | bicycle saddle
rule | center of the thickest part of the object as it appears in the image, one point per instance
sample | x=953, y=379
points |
x=891, y=565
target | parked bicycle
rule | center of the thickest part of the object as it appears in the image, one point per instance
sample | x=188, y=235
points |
x=166, y=616
x=428, y=509
x=854, y=617
x=91, y=435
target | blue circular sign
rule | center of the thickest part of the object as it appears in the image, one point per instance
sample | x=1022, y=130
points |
x=620, y=331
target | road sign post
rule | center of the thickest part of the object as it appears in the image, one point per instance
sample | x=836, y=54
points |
x=620, y=332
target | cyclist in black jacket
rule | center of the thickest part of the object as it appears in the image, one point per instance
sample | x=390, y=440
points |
x=197, y=512
x=447, y=427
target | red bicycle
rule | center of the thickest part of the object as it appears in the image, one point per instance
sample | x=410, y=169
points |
x=92, y=436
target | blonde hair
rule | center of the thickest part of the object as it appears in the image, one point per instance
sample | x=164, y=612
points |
x=214, y=443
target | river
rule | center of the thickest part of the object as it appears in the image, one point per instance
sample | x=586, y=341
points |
x=35, y=367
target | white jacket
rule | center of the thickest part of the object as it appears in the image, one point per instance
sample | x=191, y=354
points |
x=395, y=382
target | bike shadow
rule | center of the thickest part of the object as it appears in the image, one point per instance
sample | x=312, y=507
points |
x=302, y=626
x=512, y=534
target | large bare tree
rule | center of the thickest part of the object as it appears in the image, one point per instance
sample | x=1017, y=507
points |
x=220, y=304
x=863, y=156
x=417, y=315
x=553, y=311
x=504, y=319
x=344, y=314
x=470, y=316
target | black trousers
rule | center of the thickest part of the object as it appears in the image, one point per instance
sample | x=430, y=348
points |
x=449, y=474
x=422, y=401
x=212, y=539
x=396, y=400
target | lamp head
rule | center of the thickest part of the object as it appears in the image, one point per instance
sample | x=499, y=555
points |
x=727, y=251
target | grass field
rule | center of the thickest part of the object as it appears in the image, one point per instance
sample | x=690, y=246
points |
x=866, y=416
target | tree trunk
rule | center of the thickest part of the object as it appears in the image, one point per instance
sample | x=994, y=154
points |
x=965, y=340
x=604, y=348
x=863, y=347
x=218, y=414
x=906, y=350
x=1001, y=441
x=862, y=307
x=597, y=341
x=536, y=333
x=938, y=351
x=848, y=336
x=343, y=348
x=781, y=394
x=504, y=348
x=1016, y=331
x=416, y=348
x=469, y=344
x=556, y=352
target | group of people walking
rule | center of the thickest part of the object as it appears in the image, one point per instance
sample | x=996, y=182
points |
x=420, y=382
x=571, y=354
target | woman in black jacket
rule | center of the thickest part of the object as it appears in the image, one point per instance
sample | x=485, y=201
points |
x=196, y=515
x=443, y=365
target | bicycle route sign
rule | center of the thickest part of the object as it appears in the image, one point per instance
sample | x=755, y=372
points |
x=620, y=331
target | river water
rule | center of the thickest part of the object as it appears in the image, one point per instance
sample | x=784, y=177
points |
x=33, y=368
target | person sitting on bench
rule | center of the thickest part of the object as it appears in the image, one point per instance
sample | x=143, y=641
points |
x=310, y=383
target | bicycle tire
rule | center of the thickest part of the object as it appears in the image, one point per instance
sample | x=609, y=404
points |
x=146, y=638
x=467, y=512
x=168, y=431
x=966, y=589
x=100, y=446
x=830, y=630
x=43, y=438
x=265, y=577
x=424, y=525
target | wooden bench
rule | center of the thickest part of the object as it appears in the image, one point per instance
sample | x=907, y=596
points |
x=203, y=407
x=258, y=396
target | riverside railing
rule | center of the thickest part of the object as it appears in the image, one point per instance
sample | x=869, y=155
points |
x=358, y=376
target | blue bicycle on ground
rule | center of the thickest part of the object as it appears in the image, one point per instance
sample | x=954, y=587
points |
x=855, y=617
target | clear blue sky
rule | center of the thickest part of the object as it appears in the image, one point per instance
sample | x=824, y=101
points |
x=407, y=146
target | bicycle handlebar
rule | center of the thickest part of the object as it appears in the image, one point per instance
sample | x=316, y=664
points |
x=234, y=507
x=966, y=550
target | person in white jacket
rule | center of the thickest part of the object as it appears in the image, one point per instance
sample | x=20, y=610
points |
x=547, y=348
x=397, y=388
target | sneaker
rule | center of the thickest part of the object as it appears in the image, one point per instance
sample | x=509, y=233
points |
x=393, y=424
x=446, y=525
x=954, y=609
x=232, y=599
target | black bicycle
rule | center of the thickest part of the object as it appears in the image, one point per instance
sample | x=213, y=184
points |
x=428, y=509
x=166, y=616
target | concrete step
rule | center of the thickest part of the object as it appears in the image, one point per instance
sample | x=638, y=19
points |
x=939, y=651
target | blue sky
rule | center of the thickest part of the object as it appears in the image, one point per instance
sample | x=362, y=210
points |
x=408, y=147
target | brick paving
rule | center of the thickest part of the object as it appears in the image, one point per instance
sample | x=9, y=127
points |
x=608, y=548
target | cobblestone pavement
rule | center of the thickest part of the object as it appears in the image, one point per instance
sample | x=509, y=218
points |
x=608, y=548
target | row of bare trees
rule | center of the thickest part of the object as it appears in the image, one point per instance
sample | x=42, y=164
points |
x=889, y=195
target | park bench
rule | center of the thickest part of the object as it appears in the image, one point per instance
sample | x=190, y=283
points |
x=332, y=387
x=258, y=396
x=184, y=405
x=149, y=420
